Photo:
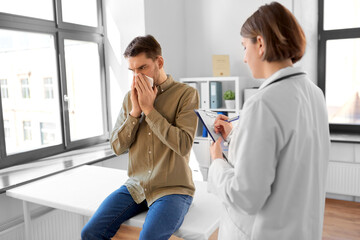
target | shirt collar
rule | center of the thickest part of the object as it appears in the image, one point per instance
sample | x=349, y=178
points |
x=166, y=85
x=278, y=74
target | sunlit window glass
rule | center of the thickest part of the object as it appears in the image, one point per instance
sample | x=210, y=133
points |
x=42, y=9
x=26, y=59
x=84, y=89
x=341, y=14
x=83, y=12
x=343, y=80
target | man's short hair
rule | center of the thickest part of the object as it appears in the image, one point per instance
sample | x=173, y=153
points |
x=143, y=44
x=282, y=34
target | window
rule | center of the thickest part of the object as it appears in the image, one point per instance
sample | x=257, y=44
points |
x=85, y=110
x=88, y=16
x=35, y=8
x=23, y=61
x=48, y=88
x=339, y=62
x=4, y=88
x=48, y=133
x=27, y=130
x=25, y=90
x=50, y=52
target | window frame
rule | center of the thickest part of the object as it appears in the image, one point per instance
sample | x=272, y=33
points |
x=99, y=41
x=323, y=37
x=58, y=29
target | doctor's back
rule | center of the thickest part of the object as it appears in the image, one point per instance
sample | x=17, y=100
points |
x=295, y=125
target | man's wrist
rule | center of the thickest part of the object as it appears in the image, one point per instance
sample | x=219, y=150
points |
x=135, y=114
x=147, y=111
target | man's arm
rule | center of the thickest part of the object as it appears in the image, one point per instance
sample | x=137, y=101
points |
x=179, y=136
x=124, y=131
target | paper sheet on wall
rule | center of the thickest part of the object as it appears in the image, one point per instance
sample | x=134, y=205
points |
x=221, y=65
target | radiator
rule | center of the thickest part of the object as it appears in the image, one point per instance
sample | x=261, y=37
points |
x=343, y=178
x=55, y=225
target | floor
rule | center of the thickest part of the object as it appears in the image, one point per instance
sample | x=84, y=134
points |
x=341, y=222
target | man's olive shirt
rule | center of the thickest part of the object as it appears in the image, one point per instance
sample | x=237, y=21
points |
x=160, y=143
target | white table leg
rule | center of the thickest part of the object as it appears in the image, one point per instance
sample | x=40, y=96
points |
x=27, y=220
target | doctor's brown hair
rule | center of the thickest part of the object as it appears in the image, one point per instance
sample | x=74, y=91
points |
x=282, y=34
x=146, y=44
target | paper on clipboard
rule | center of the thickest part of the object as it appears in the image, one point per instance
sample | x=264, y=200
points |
x=208, y=118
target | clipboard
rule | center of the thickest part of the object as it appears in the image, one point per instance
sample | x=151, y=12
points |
x=208, y=118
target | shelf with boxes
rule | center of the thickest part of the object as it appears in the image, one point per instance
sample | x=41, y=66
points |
x=211, y=91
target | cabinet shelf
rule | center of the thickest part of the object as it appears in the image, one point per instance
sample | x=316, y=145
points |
x=203, y=85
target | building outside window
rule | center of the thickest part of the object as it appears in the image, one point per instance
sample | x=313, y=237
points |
x=4, y=88
x=339, y=62
x=48, y=88
x=27, y=130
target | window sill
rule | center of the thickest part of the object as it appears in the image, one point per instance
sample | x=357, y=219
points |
x=345, y=137
x=18, y=175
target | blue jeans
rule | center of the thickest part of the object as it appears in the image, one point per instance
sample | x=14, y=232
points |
x=164, y=216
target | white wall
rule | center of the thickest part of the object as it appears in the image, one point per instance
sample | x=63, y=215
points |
x=306, y=11
x=124, y=21
x=213, y=27
x=164, y=19
x=192, y=31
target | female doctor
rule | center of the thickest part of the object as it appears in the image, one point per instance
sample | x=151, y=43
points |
x=272, y=186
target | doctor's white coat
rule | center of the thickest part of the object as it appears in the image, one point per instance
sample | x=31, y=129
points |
x=274, y=186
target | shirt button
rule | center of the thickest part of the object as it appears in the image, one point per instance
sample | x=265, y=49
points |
x=145, y=189
x=149, y=152
x=133, y=123
x=129, y=135
x=149, y=171
x=149, y=133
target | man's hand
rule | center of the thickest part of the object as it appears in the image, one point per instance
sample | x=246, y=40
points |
x=136, y=110
x=146, y=94
x=215, y=149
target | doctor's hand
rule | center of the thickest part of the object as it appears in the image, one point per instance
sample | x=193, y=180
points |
x=221, y=126
x=146, y=94
x=136, y=110
x=215, y=149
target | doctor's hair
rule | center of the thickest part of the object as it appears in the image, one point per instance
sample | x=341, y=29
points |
x=283, y=36
x=143, y=44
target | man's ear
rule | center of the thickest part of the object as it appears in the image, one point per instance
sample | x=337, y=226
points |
x=160, y=61
x=261, y=46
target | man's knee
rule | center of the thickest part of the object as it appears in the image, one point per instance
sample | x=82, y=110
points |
x=87, y=233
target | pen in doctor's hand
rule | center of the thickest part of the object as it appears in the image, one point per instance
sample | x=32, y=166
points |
x=233, y=119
